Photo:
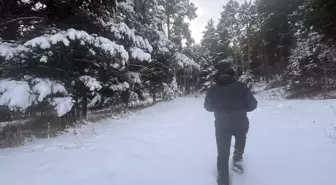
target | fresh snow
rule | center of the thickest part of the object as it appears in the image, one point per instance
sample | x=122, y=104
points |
x=44, y=59
x=8, y=51
x=140, y=42
x=42, y=42
x=15, y=94
x=272, y=94
x=18, y=95
x=164, y=44
x=289, y=143
x=120, y=87
x=121, y=30
x=140, y=55
x=45, y=87
x=58, y=37
x=38, y=6
x=94, y=101
x=148, y=46
x=263, y=92
x=184, y=61
x=174, y=85
x=63, y=105
x=91, y=83
x=134, y=77
x=58, y=88
x=112, y=48
x=92, y=52
x=126, y=5
x=45, y=42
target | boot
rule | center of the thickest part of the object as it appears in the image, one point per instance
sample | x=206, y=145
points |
x=238, y=165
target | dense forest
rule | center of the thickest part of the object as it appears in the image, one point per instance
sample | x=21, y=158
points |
x=76, y=55
x=65, y=58
x=286, y=43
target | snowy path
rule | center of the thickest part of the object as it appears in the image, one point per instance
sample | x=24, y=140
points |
x=174, y=144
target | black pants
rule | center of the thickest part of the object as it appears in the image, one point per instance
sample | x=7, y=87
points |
x=223, y=138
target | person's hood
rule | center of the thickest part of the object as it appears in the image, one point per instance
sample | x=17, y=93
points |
x=225, y=79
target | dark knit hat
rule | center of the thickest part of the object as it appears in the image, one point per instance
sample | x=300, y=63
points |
x=222, y=66
x=225, y=69
x=225, y=74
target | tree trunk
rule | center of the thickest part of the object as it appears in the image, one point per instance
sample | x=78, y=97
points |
x=242, y=63
x=84, y=107
x=153, y=93
x=168, y=20
x=249, y=46
x=185, y=83
x=77, y=109
x=241, y=53
x=325, y=81
x=154, y=96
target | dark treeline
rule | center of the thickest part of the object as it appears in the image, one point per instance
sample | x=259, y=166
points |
x=287, y=42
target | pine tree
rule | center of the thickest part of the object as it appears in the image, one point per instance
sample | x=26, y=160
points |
x=320, y=15
x=126, y=55
x=28, y=19
x=227, y=31
x=210, y=38
x=311, y=63
x=176, y=12
x=276, y=36
x=208, y=55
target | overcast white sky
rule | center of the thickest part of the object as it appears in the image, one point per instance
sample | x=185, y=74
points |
x=206, y=9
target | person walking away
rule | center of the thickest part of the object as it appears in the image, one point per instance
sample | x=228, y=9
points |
x=230, y=100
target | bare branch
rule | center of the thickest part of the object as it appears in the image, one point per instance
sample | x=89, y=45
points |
x=43, y=66
x=20, y=19
x=135, y=65
x=83, y=60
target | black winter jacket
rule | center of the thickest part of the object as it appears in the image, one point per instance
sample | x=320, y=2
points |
x=230, y=101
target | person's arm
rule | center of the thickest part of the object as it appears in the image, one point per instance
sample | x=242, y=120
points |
x=252, y=103
x=208, y=103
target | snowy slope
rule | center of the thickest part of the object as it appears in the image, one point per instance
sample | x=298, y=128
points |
x=173, y=144
x=263, y=92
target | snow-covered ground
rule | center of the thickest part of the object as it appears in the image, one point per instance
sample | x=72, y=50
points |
x=289, y=143
x=263, y=92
